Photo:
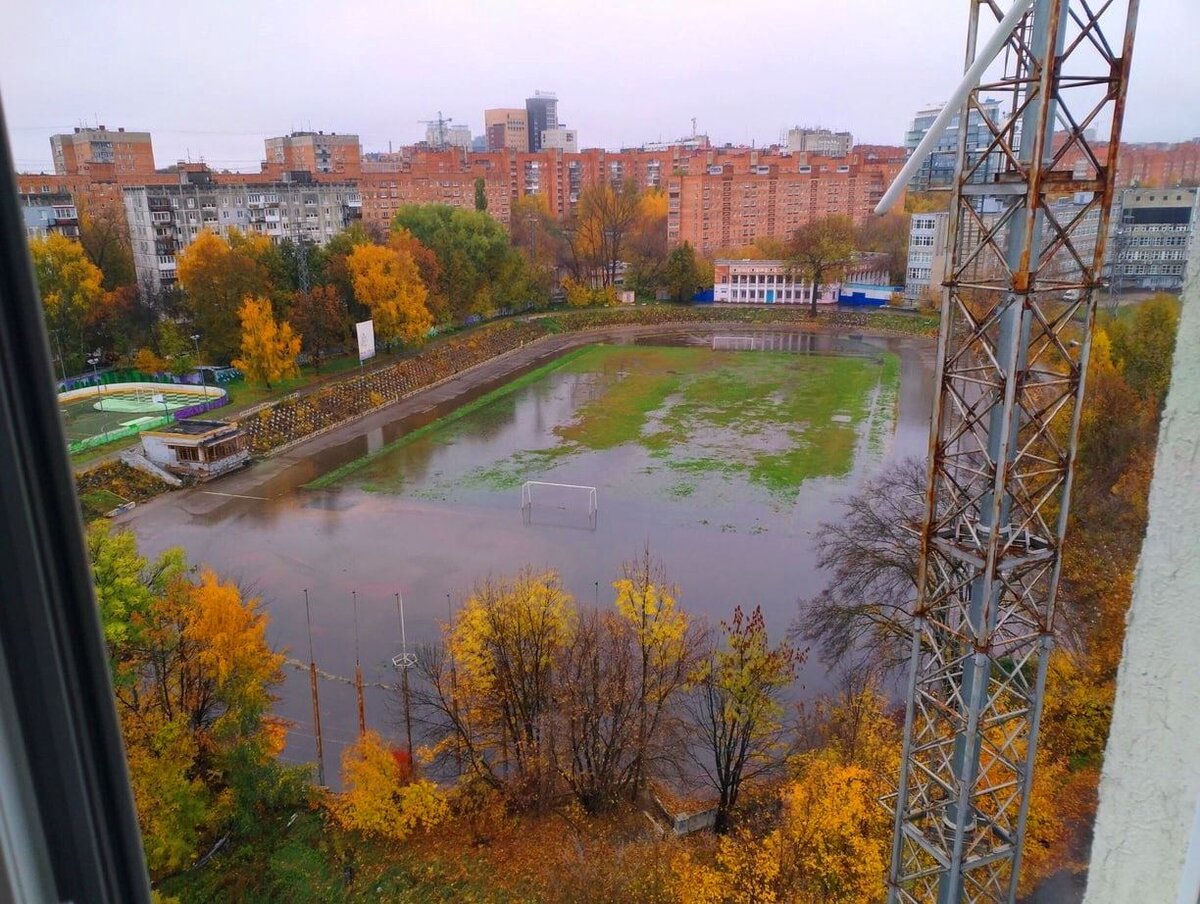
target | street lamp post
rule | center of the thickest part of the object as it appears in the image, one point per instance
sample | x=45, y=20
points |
x=94, y=360
x=203, y=376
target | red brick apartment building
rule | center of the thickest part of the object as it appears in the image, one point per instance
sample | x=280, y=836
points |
x=774, y=193
x=315, y=152
x=1153, y=165
x=100, y=154
x=718, y=197
x=730, y=201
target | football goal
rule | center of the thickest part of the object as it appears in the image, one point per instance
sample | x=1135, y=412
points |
x=563, y=496
x=736, y=343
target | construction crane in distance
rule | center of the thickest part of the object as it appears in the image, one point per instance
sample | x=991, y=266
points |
x=439, y=142
x=1028, y=216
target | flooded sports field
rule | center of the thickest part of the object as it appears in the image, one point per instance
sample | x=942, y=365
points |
x=725, y=461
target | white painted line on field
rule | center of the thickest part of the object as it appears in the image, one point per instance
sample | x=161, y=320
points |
x=236, y=495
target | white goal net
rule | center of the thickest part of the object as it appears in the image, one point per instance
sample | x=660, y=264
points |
x=569, y=497
x=736, y=343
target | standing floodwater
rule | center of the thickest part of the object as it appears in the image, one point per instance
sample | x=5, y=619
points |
x=725, y=462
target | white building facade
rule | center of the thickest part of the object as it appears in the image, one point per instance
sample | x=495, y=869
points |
x=775, y=282
x=1153, y=232
x=165, y=219
x=196, y=448
x=823, y=142
x=562, y=139
x=926, y=266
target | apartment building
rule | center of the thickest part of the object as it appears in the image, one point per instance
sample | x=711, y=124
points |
x=929, y=254
x=824, y=142
x=730, y=201
x=415, y=176
x=444, y=135
x=507, y=128
x=164, y=219
x=938, y=168
x=1149, y=165
x=100, y=153
x=541, y=115
x=49, y=213
x=1153, y=232
x=927, y=257
x=314, y=152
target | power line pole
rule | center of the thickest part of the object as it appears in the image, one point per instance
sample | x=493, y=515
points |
x=1018, y=306
x=403, y=663
x=316, y=700
x=358, y=679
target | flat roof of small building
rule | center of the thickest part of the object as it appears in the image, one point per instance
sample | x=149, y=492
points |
x=190, y=427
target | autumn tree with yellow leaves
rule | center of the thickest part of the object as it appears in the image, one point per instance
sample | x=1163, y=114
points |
x=832, y=840
x=269, y=347
x=193, y=676
x=488, y=694
x=532, y=696
x=601, y=230
x=665, y=645
x=736, y=708
x=388, y=282
x=217, y=275
x=382, y=797
x=71, y=287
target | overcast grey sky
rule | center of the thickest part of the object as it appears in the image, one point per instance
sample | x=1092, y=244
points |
x=213, y=79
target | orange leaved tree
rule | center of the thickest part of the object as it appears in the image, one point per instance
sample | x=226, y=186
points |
x=193, y=675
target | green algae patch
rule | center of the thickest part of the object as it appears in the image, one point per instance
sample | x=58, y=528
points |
x=682, y=419
x=498, y=394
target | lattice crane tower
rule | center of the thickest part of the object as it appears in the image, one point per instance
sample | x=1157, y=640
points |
x=1028, y=220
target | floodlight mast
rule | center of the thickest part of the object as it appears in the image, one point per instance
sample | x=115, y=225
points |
x=1011, y=360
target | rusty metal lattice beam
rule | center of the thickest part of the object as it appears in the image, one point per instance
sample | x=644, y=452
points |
x=1017, y=313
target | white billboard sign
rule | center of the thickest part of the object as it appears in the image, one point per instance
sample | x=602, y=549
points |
x=366, y=339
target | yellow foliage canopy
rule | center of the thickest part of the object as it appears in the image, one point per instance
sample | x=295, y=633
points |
x=193, y=675
x=380, y=797
x=148, y=362
x=217, y=276
x=231, y=636
x=269, y=347
x=69, y=283
x=388, y=281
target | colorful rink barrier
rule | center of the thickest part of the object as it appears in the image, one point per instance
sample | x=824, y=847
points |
x=100, y=408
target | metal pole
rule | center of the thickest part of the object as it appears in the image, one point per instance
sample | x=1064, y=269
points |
x=203, y=377
x=94, y=360
x=358, y=679
x=316, y=701
x=404, y=666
